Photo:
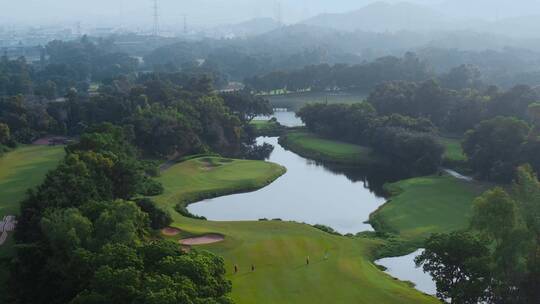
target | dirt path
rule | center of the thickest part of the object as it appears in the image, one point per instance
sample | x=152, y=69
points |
x=203, y=240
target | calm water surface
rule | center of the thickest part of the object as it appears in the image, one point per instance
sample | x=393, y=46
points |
x=285, y=118
x=339, y=197
x=307, y=193
x=405, y=269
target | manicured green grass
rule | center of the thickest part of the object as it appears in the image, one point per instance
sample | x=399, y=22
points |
x=312, y=146
x=421, y=206
x=278, y=250
x=20, y=170
x=267, y=128
x=453, y=150
x=214, y=176
x=295, y=101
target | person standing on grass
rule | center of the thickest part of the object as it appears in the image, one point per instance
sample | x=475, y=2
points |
x=326, y=255
x=307, y=260
x=235, y=268
x=252, y=268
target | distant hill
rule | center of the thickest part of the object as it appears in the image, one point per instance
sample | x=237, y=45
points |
x=383, y=17
x=248, y=28
x=525, y=26
x=490, y=9
x=501, y=17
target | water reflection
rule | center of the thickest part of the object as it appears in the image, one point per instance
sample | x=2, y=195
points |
x=285, y=118
x=405, y=269
x=372, y=177
x=309, y=192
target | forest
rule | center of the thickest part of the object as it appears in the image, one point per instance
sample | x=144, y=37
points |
x=145, y=138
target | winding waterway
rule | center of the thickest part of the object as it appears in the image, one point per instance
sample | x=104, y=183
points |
x=338, y=197
x=307, y=193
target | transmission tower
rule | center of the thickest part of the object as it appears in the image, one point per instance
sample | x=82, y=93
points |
x=155, y=29
x=78, y=30
x=279, y=13
x=185, y=24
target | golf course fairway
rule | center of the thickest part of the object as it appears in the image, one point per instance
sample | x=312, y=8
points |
x=421, y=206
x=312, y=146
x=278, y=250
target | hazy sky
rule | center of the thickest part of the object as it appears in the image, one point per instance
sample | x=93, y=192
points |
x=200, y=12
x=135, y=13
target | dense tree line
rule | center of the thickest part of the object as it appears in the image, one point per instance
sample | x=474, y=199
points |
x=407, y=144
x=82, y=239
x=361, y=77
x=169, y=114
x=505, y=67
x=237, y=59
x=502, y=126
x=498, y=260
x=296, y=46
x=454, y=111
x=401, y=118
x=64, y=65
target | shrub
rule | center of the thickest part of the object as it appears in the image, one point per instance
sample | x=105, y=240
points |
x=158, y=218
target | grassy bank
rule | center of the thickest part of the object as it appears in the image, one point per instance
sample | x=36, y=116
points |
x=312, y=146
x=209, y=177
x=279, y=249
x=421, y=206
x=267, y=128
x=20, y=170
x=295, y=101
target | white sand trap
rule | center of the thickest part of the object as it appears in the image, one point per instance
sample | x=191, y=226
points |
x=203, y=240
x=170, y=231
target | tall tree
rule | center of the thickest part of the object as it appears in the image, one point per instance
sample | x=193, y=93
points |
x=459, y=264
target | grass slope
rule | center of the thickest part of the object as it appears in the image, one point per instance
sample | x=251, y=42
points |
x=20, y=170
x=279, y=249
x=454, y=157
x=421, y=206
x=312, y=146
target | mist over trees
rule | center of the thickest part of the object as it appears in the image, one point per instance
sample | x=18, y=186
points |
x=135, y=103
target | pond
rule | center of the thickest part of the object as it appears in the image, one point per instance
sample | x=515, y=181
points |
x=336, y=196
x=405, y=269
x=286, y=118
x=308, y=192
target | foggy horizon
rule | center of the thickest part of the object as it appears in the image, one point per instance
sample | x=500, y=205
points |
x=208, y=13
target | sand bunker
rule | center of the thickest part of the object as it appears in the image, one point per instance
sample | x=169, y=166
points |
x=170, y=231
x=203, y=240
